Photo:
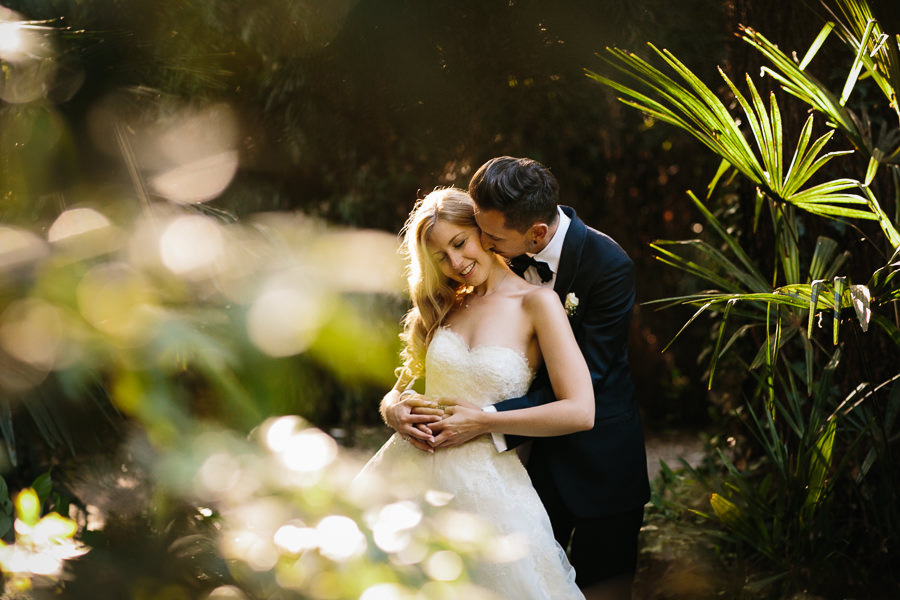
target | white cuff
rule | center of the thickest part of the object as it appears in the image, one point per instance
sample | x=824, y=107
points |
x=499, y=438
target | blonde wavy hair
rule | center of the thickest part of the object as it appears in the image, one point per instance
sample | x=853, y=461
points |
x=433, y=294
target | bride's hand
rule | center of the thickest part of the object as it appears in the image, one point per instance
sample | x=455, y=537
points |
x=410, y=416
x=462, y=422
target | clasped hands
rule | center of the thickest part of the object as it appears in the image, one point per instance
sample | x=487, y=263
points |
x=429, y=423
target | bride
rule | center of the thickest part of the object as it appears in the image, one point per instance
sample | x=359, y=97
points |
x=479, y=333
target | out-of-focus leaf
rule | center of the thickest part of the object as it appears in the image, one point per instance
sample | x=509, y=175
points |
x=725, y=509
x=42, y=486
x=28, y=507
x=820, y=463
x=721, y=336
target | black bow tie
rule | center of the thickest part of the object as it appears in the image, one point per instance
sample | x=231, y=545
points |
x=521, y=263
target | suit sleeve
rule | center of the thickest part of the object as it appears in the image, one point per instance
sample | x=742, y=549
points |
x=601, y=329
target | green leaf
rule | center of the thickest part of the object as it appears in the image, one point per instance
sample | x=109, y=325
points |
x=871, y=170
x=802, y=85
x=817, y=43
x=822, y=255
x=792, y=183
x=827, y=190
x=816, y=288
x=786, y=245
x=839, y=284
x=857, y=64
x=864, y=34
x=820, y=462
x=757, y=207
x=724, y=165
x=776, y=145
x=759, y=281
x=886, y=226
x=6, y=505
x=689, y=321
x=694, y=108
x=888, y=326
x=837, y=265
x=810, y=164
x=825, y=210
x=714, y=258
x=715, y=356
x=42, y=485
x=726, y=510
x=809, y=358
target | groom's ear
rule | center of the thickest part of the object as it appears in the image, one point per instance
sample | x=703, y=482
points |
x=538, y=233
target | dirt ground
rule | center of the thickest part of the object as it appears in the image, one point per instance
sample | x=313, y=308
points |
x=669, y=447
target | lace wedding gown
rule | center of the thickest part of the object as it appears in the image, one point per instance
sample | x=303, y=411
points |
x=492, y=485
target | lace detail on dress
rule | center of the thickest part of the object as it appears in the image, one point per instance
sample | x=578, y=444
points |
x=483, y=482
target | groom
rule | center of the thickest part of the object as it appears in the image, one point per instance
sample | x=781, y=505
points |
x=593, y=483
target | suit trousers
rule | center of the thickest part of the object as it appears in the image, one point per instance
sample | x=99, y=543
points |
x=600, y=548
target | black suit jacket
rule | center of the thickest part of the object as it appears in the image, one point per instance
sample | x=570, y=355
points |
x=602, y=471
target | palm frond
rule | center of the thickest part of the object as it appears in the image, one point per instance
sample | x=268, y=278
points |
x=759, y=281
x=721, y=336
x=693, y=107
x=877, y=51
x=713, y=257
x=800, y=84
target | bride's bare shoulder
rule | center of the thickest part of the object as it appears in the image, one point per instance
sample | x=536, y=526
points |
x=539, y=299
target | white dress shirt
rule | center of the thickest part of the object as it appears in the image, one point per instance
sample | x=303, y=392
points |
x=550, y=254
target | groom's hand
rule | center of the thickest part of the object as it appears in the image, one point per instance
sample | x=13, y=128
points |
x=462, y=423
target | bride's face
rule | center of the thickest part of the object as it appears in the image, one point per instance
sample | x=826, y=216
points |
x=458, y=252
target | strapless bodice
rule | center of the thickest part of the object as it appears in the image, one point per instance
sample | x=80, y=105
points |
x=481, y=375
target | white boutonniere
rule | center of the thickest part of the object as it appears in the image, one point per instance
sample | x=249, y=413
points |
x=571, y=303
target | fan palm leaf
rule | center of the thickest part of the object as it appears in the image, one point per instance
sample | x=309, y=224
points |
x=693, y=107
x=796, y=81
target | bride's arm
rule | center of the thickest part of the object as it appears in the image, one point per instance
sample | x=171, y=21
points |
x=569, y=376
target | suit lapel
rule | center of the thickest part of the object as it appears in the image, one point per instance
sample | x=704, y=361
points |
x=570, y=257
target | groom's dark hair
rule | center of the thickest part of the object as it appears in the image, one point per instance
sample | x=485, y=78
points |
x=524, y=191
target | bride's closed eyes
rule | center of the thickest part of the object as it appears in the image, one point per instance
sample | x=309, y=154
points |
x=442, y=256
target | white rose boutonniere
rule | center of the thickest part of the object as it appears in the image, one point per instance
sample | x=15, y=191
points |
x=571, y=303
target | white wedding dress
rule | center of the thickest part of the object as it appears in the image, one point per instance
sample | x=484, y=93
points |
x=492, y=485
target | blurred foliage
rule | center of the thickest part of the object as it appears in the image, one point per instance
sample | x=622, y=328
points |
x=278, y=514
x=181, y=334
x=42, y=544
x=807, y=352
